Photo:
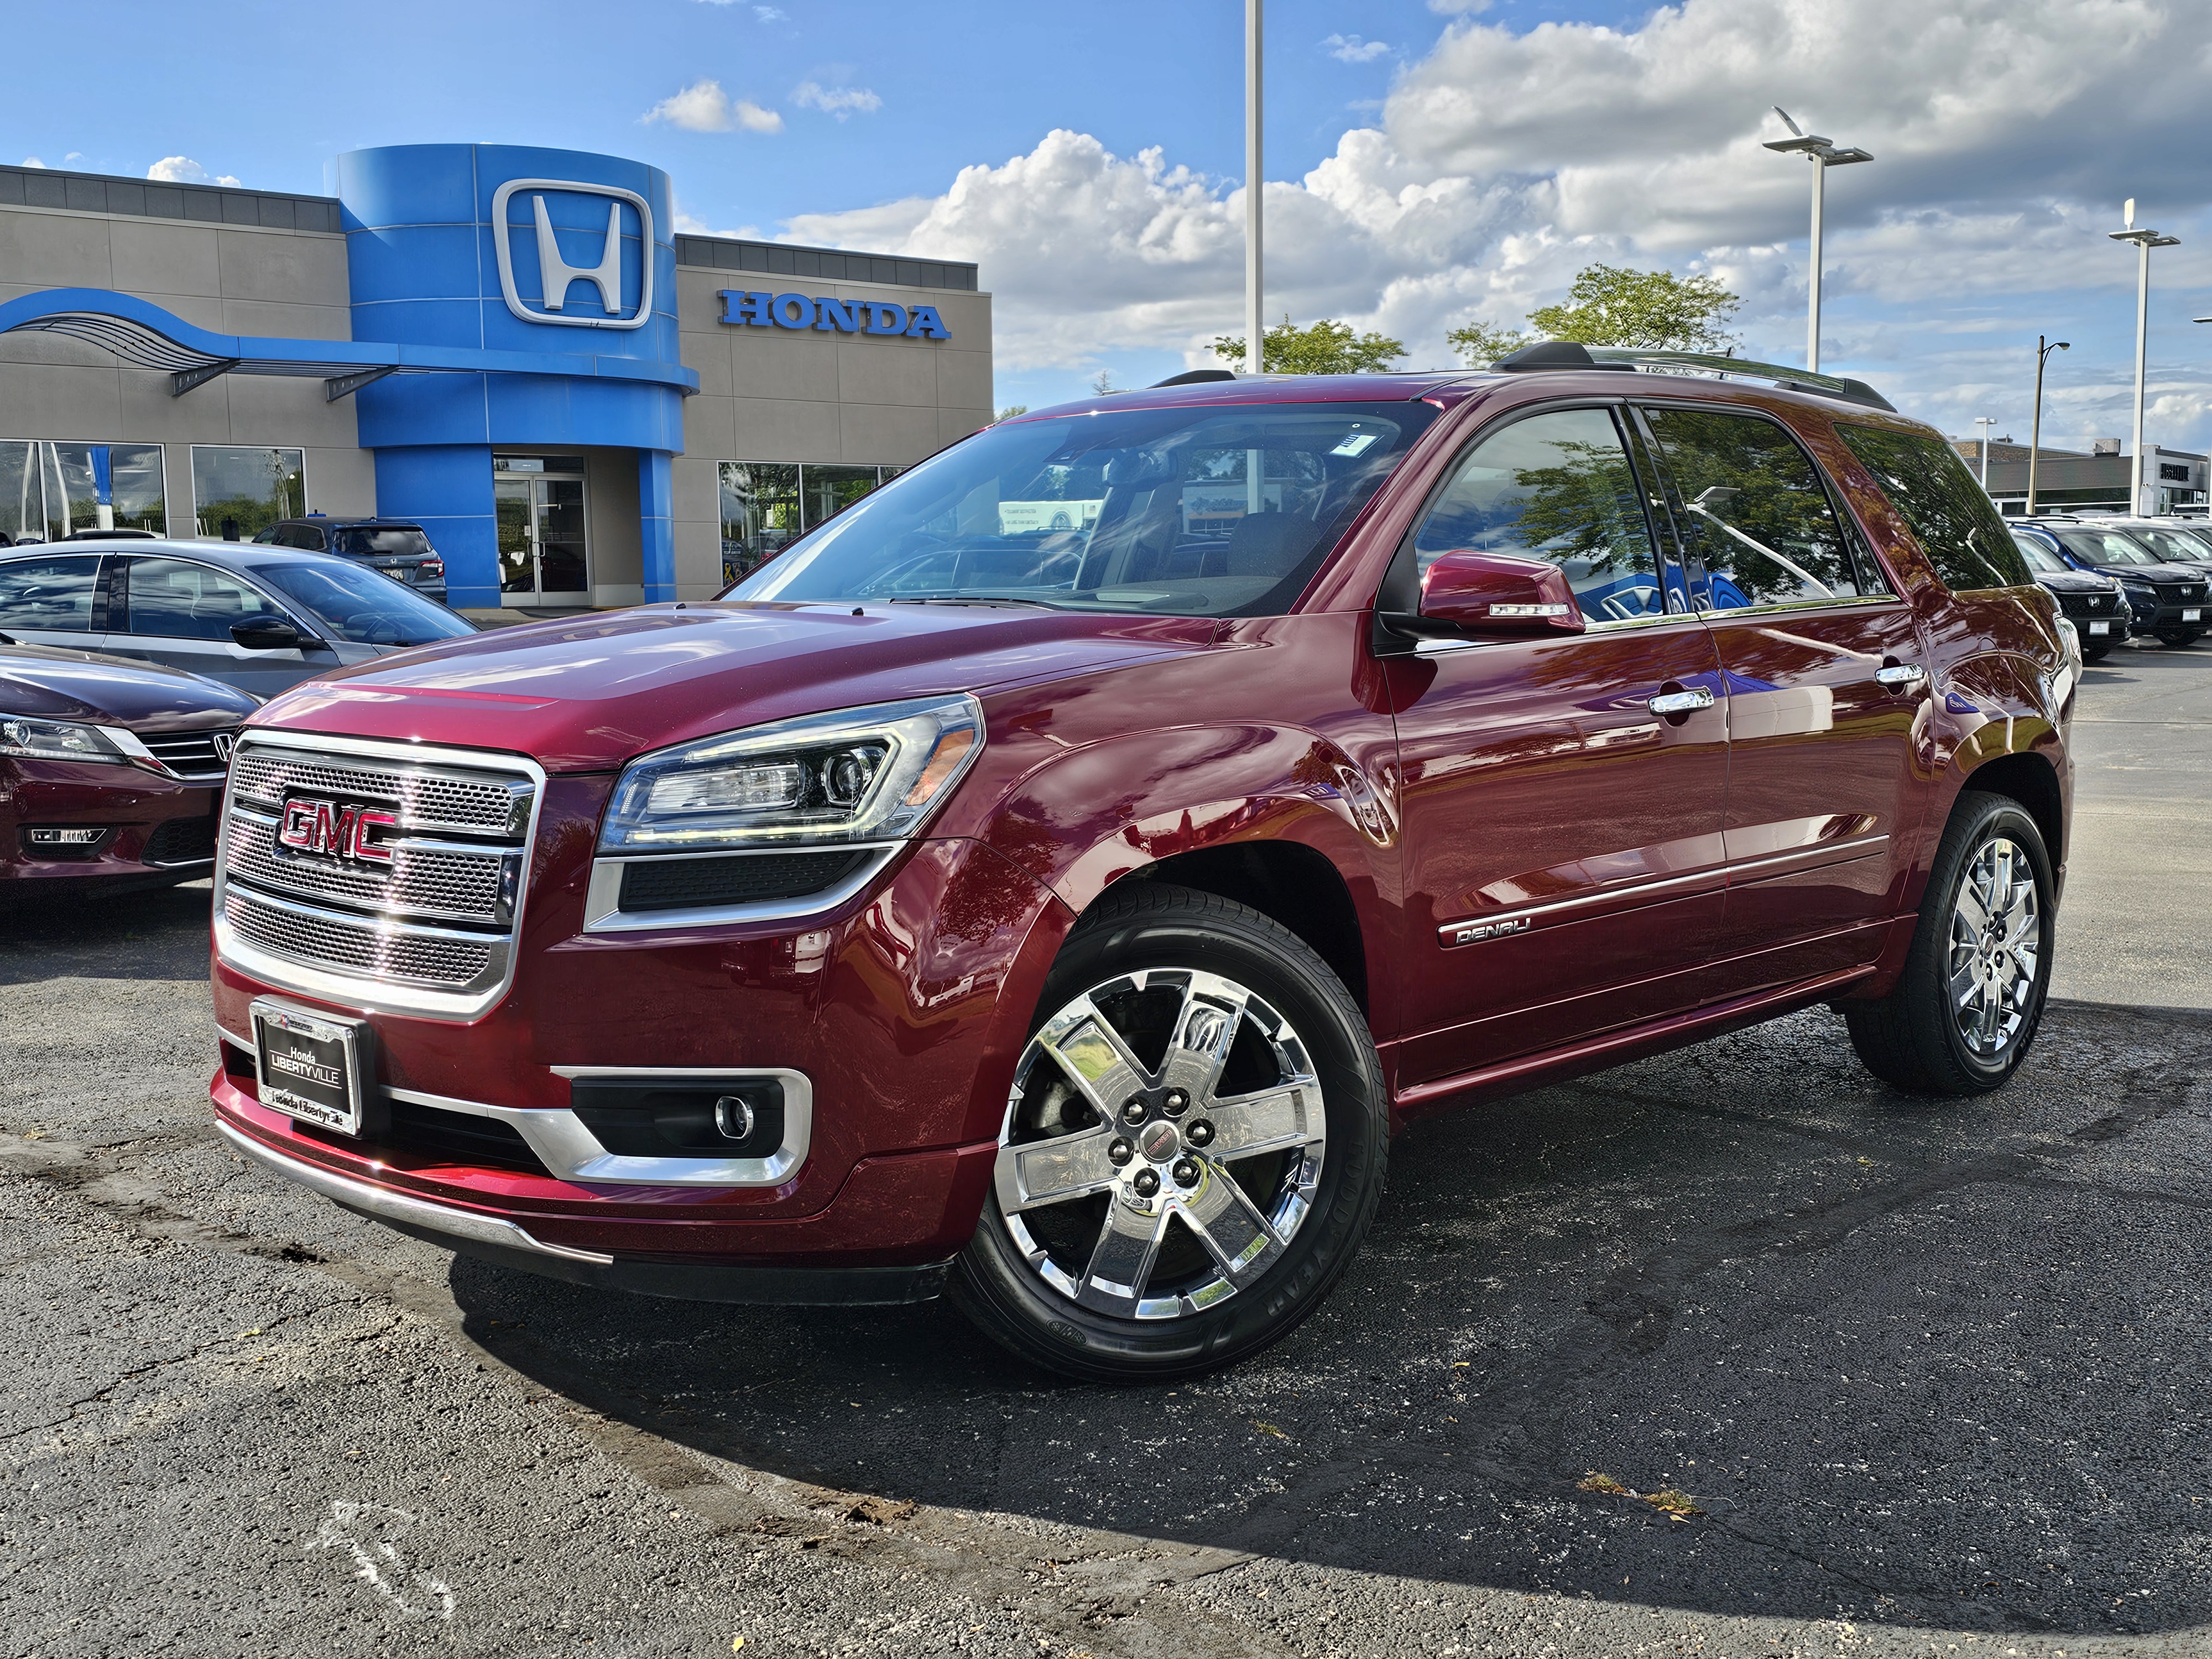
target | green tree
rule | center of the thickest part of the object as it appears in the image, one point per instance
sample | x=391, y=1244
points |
x=1484, y=343
x=1326, y=348
x=1012, y=409
x=1654, y=309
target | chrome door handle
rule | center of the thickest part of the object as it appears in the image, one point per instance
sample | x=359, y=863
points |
x=1681, y=702
x=1901, y=676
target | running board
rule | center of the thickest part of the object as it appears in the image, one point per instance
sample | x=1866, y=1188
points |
x=1597, y=1054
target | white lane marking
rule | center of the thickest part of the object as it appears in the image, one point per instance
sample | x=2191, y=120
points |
x=367, y=1532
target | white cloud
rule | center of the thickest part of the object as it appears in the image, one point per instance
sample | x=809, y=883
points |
x=1350, y=48
x=840, y=101
x=183, y=170
x=703, y=106
x=1454, y=8
x=74, y=155
x=1504, y=162
x=33, y=162
x=767, y=13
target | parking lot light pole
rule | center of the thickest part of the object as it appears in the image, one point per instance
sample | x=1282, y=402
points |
x=1823, y=156
x=1255, y=189
x=1985, y=421
x=2035, y=428
x=2145, y=240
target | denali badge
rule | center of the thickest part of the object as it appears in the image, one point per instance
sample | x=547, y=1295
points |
x=1472, y=933
x=324, y=826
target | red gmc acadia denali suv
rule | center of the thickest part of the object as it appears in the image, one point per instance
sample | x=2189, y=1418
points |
x=1052, y=879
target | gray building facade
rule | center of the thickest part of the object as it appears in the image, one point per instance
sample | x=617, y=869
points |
x=201, y=360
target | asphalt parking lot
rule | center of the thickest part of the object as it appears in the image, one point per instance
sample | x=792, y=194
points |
x=1903, y=1378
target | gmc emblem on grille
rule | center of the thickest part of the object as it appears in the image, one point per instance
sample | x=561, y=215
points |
x=324, y=826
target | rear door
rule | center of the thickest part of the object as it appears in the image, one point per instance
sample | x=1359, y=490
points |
x=179, y=612
x=53, y=599
x=1826, y=682
x=1562, y=841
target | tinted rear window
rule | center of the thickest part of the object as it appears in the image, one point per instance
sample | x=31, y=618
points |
x=406, y=541
x=1957, y=525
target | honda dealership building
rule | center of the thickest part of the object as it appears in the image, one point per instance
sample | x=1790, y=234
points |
x=512, y=348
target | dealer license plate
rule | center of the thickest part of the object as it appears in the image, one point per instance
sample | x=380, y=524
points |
x=2191, y=615
x=2101, y=627
x=311, y=1067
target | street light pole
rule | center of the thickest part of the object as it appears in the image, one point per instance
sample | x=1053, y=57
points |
x=2035, y=429
x=1985, y=421
x=1823, y=156
x=1255, y=189
x=2145, y=240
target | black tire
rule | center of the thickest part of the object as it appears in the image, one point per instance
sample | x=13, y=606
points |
x=1163, y=930
x=1912, y=1038
x=2179, y=636
x=2096, y=653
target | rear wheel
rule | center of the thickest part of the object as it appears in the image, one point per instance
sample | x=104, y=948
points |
x=1962, y=1015
x=2179, y=636
x=1194, y=1146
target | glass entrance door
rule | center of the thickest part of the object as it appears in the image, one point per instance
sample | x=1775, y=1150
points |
x=543, y=552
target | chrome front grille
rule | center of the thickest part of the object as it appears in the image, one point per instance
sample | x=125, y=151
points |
x=195, y=756
x=419, y=912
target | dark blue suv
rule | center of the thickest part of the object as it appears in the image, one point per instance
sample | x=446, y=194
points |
x=2169, y=600
x=396, y=547
x=2094, y=604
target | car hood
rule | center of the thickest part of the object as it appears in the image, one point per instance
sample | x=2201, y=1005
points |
x=589, y=694
x=83, y=686
x=2154, y=573
x=2073, y=581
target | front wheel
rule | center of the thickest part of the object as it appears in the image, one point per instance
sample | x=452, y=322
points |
x=1962, y=1015
x=1194, y=1146
x=2179, y=636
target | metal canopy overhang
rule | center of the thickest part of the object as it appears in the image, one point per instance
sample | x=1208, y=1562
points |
x=147, y=336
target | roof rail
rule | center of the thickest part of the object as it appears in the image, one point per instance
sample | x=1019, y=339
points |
x=1194, y=377
x=1790, y=379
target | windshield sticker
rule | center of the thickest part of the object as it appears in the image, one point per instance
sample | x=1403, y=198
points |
x=1357, y=444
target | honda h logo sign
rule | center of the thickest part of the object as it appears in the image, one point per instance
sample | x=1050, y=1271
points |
x=326, y=826
x=557, y=277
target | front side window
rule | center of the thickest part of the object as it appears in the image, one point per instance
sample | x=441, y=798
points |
x=176, y=599
x=1186, y=510
x=239, y=493
x=54, y=594
x=359, y=605
x=1957, y=526
x=48, y=490
x=1556, y=487
x=1752, y=505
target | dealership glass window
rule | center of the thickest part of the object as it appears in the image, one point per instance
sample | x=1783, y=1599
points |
x=767, y=505
x=48, y=489
x=239, y=493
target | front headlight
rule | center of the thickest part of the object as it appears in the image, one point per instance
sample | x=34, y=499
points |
x=2069, y=641
x=36, y=739
x=859, y=775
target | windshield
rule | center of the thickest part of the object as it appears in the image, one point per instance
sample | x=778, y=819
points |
x=359, y=606
x=2038, y=556
x=1201, y=510
x=2171, y=544
x=2105, y=547
x=402, y=539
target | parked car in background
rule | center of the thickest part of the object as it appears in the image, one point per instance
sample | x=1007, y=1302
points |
x=2096, y=604
x=259, y=618
x=110, y=772
x=1053, y=878
x=397, y=547
x=2172, y=541
x=2169, y=600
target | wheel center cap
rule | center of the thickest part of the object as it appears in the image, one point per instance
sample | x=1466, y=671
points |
x=1159, y=1141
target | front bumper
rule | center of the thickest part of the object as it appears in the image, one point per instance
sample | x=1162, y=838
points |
x=152, y=829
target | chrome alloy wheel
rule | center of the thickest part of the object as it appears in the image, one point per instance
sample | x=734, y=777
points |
x=1997, y=934
x=1162, y=1144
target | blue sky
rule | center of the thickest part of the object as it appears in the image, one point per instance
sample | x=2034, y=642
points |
x=1429, y=161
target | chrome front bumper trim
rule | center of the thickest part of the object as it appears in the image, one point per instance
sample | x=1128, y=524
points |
x=572, y=1152
x=389, y=1205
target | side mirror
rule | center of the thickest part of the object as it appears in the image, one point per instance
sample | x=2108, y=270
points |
x=1469, y=594
x=268, y=634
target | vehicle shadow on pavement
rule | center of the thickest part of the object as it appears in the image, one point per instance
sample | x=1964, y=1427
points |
x=163, y=933
x=1736, y=1330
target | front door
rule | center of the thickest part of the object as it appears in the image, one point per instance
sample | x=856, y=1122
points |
x=1564, y=866
x=1825, y=683
x=544, y=555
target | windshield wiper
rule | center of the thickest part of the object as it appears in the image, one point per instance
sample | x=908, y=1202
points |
x=964, y=598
